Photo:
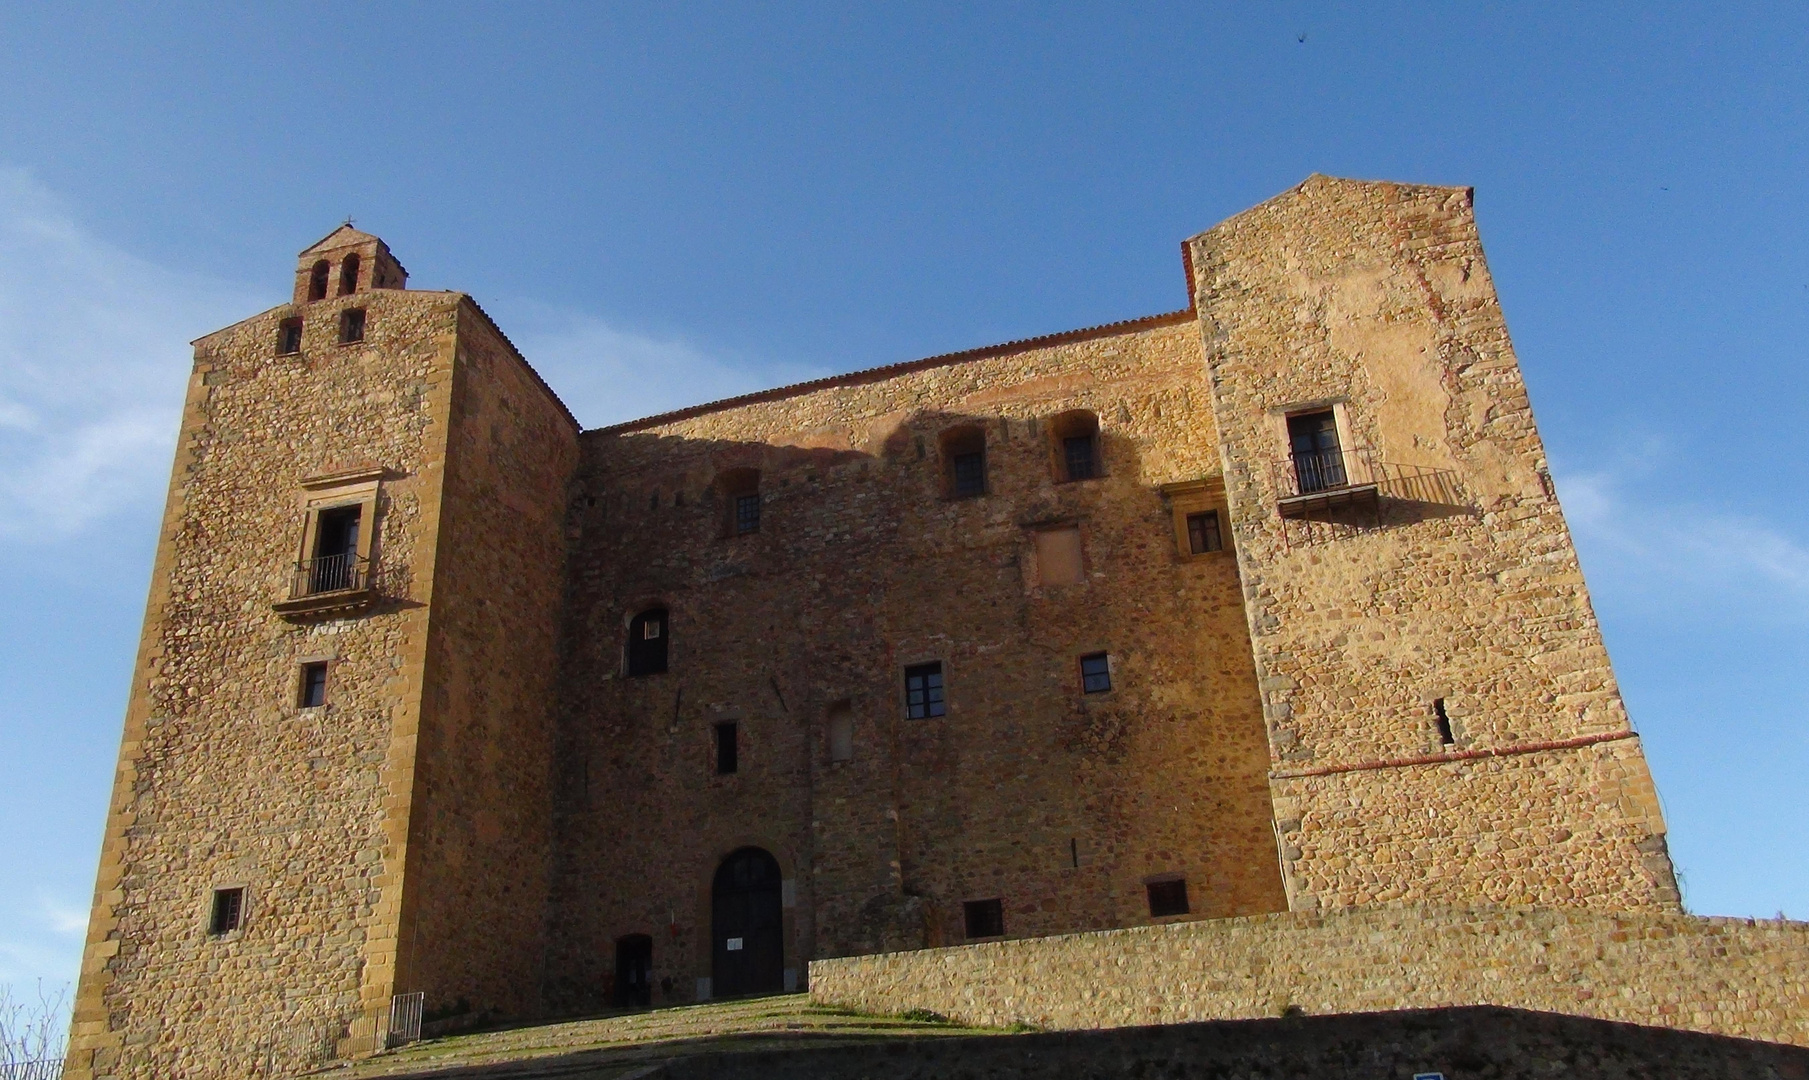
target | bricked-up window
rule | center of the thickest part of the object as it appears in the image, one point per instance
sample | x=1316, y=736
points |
x=288, y=337
x=964, y=457
x=1077, y=445
x=313, y=684
x=1095, y=673
x=1058, y=556
x=228, y=911
x=351, y=326
x=317, y=280
x=348, y=275
x=1167, y=898
x=923, y=691
x=741, y=487
x=985, y=918
x=728, y=748
x=647, y=640
x=1203, y=533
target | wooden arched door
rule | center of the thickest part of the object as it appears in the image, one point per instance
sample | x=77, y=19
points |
x=747, y=926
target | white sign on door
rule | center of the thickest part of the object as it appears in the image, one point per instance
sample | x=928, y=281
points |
x=734, y=944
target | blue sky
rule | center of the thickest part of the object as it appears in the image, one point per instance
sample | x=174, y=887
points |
x=669, y=206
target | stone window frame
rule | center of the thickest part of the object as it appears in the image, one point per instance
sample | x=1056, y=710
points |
x=298, y=685
x=284, y=327
x=1061, y=427
x=904, y=694
x=1283, y=447
x=351, y=317
x=1188, y=497
x=360, y=487
x=207, y=910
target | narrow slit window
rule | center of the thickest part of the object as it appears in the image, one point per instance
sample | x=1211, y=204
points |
x=647, y=643
x=984, y=918
x=728, y=748
x=1168, y=898
x=314, y=684
x=923, y=691
x=1095, y=673
x=1443, y=720
x=288, y=337
x=228, y=911
x=1203, y=533
x=841, y=733
x=351, y=326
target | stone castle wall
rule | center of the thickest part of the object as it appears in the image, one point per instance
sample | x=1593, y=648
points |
x=480, y=839
x=862, y=565
x=1723, y=976
x=1460, y=585
x=224, y=781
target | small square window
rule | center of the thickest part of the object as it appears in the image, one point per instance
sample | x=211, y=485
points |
x=1095, y=673
x=288, y=337
x=351, y=326
x=747, y=514
x=228, y=911
x=1167, y=898
x=1203, y=533
x=985, y=918
x=970, y=474
x=728, y=756
x=314, y=684
x=923, y=691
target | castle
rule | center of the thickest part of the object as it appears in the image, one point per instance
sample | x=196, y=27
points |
x=1266, y=605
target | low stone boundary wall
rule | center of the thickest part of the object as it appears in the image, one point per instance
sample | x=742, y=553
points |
x=1740, y=977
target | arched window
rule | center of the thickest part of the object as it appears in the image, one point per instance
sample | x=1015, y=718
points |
x=1076, y=436
x=317, y=280
x=348, y=275
x=740, y=489
x=964, y=461
x=647, y=642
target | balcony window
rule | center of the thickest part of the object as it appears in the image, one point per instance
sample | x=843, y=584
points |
x=1313, y=445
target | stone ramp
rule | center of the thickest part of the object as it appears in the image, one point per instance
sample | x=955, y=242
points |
x=628, y=1044
x=1463, y=1043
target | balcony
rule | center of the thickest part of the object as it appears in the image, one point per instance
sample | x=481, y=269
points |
x=1332, y=485
x=328, y=585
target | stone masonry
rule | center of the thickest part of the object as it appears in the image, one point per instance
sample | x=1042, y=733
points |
x=1174, y=680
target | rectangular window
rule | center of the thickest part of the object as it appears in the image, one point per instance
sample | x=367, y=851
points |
x=1313, y=444
x=728, y=749
x=747, y=514
x=970, y=474
x=923, y=691
x=288, y=337
x=351, y=325
x=1095, y=673
x=985, y=918
x=1079, y=457
x=314, y=684
x=1167, y=898
x=1203, y=533
x=229, y=909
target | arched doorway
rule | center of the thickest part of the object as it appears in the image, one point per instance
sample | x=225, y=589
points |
x=634, y=972
x=747, y=930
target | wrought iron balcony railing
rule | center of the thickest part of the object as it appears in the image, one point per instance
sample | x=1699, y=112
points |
x=330, y=574
x=1318, y=483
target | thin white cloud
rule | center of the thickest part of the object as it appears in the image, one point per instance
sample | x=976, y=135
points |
x=93, y=364
x=1665, y=550
x=606, y=375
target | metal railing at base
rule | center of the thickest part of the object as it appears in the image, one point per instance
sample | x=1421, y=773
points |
x=48, y=1069
x=329, y=573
